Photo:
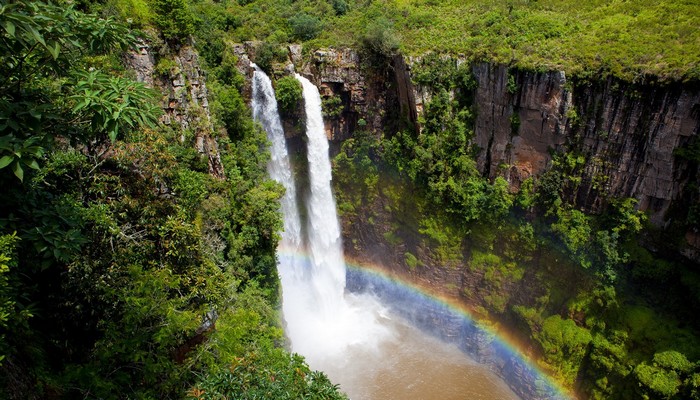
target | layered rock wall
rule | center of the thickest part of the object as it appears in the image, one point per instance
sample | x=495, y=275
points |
x=628, y=135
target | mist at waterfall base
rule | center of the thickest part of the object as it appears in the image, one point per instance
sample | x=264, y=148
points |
x=358, y=342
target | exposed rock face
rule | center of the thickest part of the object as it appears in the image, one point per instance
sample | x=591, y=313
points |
x=366, y=99
x=186, y=102
x=338, y=73
x=538, y=102
x=627, y=134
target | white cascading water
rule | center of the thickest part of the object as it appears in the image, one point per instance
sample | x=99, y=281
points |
x=265, y=111
x=322, y=320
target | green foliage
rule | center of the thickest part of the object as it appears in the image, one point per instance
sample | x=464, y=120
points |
x=137, y=12
x=573, y=227
x=44, y=43
x=525, y=198
x=289, y=94
x=173, y=18
x=267, y=374
x=632, y=41
x=305, y=26
x=231, y=110
x=411, y=260
x=511, y=85
x=380, y=39
x=166, y=67
x=127, y=256
x=340, y=6
x=657, y=382
x=111, y=105
x=267, y=54
x=11, y=314
x=564, y=344
x=332, y=106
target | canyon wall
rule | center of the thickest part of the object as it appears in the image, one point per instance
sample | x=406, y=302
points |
x=178, y=75
x=628, y=134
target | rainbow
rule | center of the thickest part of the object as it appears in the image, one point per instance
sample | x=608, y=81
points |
x=454, y=323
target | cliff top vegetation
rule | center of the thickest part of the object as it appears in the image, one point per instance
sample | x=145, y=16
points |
x=633, y=40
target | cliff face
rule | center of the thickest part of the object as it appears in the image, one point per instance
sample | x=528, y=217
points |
x=627, y=134
x=185, y=101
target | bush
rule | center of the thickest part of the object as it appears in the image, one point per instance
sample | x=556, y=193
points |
x=305, y=26
x=137, y=11
x=332, y=106
x=289, y=94
x=340, y=7
x=231, y=110
x=268, y=53
x=173, y=18
x=380, y=38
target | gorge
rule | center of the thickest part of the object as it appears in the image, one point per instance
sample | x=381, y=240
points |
x=360, y=343
x=516, y=188
x=397, y=240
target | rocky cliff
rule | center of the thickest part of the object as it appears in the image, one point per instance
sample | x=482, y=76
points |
x=177, y=73
x=627, y=133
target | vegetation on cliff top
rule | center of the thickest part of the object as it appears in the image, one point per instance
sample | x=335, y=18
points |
x=633, y=40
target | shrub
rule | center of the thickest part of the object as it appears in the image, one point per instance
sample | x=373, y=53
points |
x=340, y=7
x=173, y=18
x=137, y=11
x=332, y=107
x=305, y=26
x=268, y=53
x=289, y=94
x=167, y=67
x=380, y=38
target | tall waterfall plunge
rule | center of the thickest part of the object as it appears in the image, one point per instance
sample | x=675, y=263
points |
x=322, y=321
x=348, y=335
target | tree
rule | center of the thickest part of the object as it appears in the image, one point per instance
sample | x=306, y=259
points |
x=174, y=19
x=289, y=94
x=44, y=43
x=305, y=26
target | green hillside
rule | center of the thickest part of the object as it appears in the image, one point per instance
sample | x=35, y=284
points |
x=629, y=39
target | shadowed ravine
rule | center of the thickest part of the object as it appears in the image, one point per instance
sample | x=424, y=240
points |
x=360, y=343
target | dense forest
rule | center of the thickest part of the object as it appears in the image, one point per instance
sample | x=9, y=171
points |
x=130, y=268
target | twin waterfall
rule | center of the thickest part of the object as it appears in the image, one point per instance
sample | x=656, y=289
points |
x=368, y=349
x=322, y=320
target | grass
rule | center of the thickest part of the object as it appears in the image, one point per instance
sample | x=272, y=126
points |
x=627, y=39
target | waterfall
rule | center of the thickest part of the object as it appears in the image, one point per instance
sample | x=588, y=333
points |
x=325, y=244
x=264, y=106
x=322, y=321
x=349, y=336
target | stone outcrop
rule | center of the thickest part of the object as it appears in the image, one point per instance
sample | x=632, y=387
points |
x=367, y=99
x=185, y=100
x=539, y=105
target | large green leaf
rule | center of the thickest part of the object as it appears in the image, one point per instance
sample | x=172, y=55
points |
x=5, y=161
x=17, y=169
